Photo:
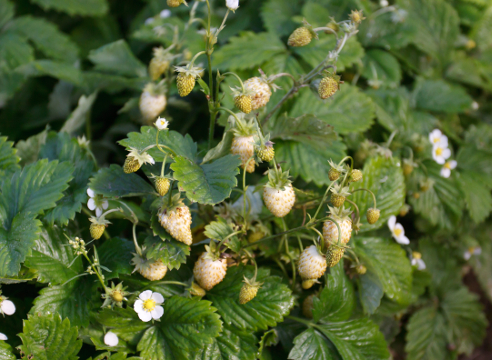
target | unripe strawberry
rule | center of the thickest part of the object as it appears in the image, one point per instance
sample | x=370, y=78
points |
x=185, y=83
x=308, y=284
x=196, y=290
x=307, y=306
x=260, y=91
x=131, y=165
x=266, y=154
x=135, y=159
x=337, y=200
x=407, y=167
x=300, y=37
x=404, y=210
x=312, y=265
x=333, y=174
x=97, y=230
x=175, y=3
x=255, y=236
x=243, y=103
x=372, y=215
x=330, y=231
x=157, y=67
x=162, y=185
x=360, y=269
x=151, y=105
x=356, y=16
x=208, y=272
x=279, y=202
x=177, y=222
x=333, y=255
x=328, y=86
x=244, y=147
x=355, y=175
x=339, y=194
x=248, y=292
x=152, y=269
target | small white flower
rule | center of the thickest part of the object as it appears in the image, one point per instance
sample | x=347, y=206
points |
x=436, y=135
x=83, y=142
x=232, y=4
x=149, y=21
x=3, y=337
x=161, y=123
x=165, y=14
x=7, y=307
x=397, y=231
x=148, y=306
x=384, y=3
x=474, y=250
x=159, y=30
x=111, y=339
x=441, y=153
x=96, y=202
x=142, y=158
x=475, y=105
x=417, y=261
x=447, y=167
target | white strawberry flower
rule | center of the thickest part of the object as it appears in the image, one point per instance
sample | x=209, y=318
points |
x=447, y=167
x=149, y=21
x=397, y=231
x=111, y=339
x=164, y=14
x=148, y=306
x=161, y=123
x=7, y=307
x=417, y=260
x=3, y=336
x=473, y=250
x=440, y=151
x=232, y=4
x=96, y=202
x=435, y=136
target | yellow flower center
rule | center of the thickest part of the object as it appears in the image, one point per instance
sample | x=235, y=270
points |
x=447, y=165
x=397, y=232
x=436, y=140
x=117, y=296
x=149, y=305
x=471, y=250
x=416, y=255
x=438, y=151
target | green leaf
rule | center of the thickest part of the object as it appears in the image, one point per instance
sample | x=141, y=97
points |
x=124, y=322
x=371, y=292
x=117, y=58
x=358, y=339
x=481, y=30
x=235, y=344
x=477, y=195
x=181, y=145
x=8, y=158
x=47, y=38
x=440, y=96
x=75, y=7
x=56, y=69
x=340, y=112
x=381, y=69
x=116, y=255
x=207, y=183
x=316, y=52
x=5, y=349
x=223, y=148
x=248, y=50
x=64, y=148
x=219, y=230
x=436, y=26
x=28, y=150
x=273, y=301
x=304, y=160
x=78, y=117
x=316, y=14
x=186, y=326
x=337, y=299
x=14, y=50
x=53, y=260
x=71, y=301
x=389, y=263
x=6, y=12
x=311, y=344
x=50, y=338
x=112, y=182
x=277, y=16
x=384, y=177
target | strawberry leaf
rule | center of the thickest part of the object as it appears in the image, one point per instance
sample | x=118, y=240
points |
x=6, y=351
x=116, y=255
x=219, y=230
x=381, y=69
x=8, y=158
x=75, y=7
x=440, y=96
x=311, y=344
x=117, y=58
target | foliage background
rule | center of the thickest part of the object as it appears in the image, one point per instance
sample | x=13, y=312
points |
x=409, y=70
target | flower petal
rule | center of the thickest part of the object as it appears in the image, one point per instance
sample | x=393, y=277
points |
x=91, y=204
x=90, y=192
x=99, y=211
x=158, y=298
x=398, y=226
x=392, y=222
x=145, y=295
x=446, y=153
x=453, y=164
x=435, y=134
x=138, y=306
x=467, y=255
x=421, y=264
x=439, y=159
x=8, y=307
x=3, y=337
x=157, y=312
x=403, y=240
x=111, y=339
x=145, y=316
x=105, y=204
x=477, y=251
x=443, y=141
x=445, y=172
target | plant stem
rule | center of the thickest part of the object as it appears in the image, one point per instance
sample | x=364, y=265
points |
x=211, y=103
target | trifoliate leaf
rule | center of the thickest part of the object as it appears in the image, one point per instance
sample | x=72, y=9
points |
x=273, y=301
x=440, y=96
x=340, y=111
x=337, y=299
x=208, y=183
x=28, y=150
x=15, y=50
x=186, y=326
x=277, y=16
x=381, y=69
x=311, y=344
x=8, y=158
x=116, y=255
x=220, y=230
x=53, y=260
x=60, y=146
x=388, y=261
x=112, y=182
x=56, y=69
x=50, y=338
x=173, y=141
x=75, y=7
x=384, y=177
x=117, y=58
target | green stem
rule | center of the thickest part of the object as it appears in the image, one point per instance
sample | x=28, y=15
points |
x=95, y=270
x=212, y=106
x=369, y=191
x=299, y=320
x=163, y=165
x=356, y=207
x=192, y=62
x=237, y=77
x=134, y=232
x=172, y=283
x=322, y=202
x=230, y=112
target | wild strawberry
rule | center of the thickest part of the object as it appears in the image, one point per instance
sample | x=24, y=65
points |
x=176, y=3
x=335, y=171
x=259, y=231
x=248, y=290
x=151, y=269
x=333, y=255
x=355, y=175
x=330, y=230
x=278, y=193
x=307, y=306
x=328, y=86
x=338, y=195
x=372, y=215
x=260, y=91
x=407, y=167
x=300, y=37
x=308, y=284
x=404, y=210
x=312, y=265
x=152, y=102
x=131, y=165
x=243, y=142
x=196, y=290
x=209, y=270
x=160, y=63
x=360, y=269
x=267, y=153
x=186, y=78
x=243, y=103
x=97, y=230
x=356, y=16
x=162, y=185
x=135, y=159
x=176, y=219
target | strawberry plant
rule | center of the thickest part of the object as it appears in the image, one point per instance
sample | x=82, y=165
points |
x=273, y=179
